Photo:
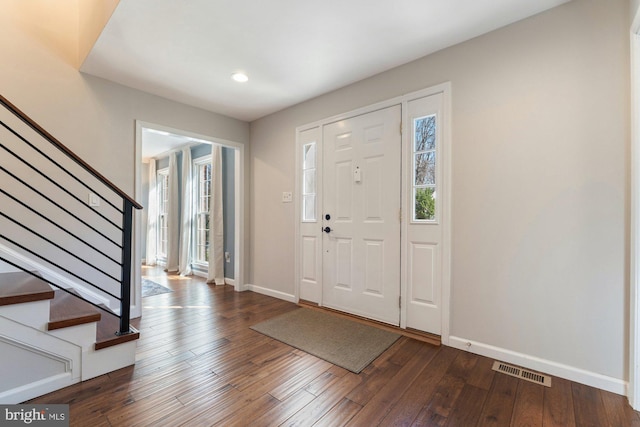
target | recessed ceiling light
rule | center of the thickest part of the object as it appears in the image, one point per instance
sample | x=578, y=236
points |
x=240, y=77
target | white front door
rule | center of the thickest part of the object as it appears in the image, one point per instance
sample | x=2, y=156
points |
x=361, y=215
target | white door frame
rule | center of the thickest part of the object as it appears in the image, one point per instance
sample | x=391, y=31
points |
x=633, y=391
x=445, y=89
x=239, y=280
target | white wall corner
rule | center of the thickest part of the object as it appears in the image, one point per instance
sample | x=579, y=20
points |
x=593, y=379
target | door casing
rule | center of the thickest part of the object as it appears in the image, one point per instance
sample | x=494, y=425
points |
x=308, y=287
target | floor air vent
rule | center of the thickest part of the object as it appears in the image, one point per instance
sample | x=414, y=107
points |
x=514, y=371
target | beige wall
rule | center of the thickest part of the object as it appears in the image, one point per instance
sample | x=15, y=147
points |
x=540, y=183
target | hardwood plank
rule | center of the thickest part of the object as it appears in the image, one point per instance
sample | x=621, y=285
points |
x=528, y=408
x=286, y=409
x=301, y=379
x=320, y=383
x=210, y=402
x=588, y=406
x=468, y=407
x=143, y=412
x=618, y=410
x=383, y=369
x=499, y=405
x=258, y=374
x=558, y=404
x=430, y=396
x=388, y=396
x=249, y=413
x=318, y=407
x=68, y=310
x=340, y=414
x=21, y=287
x=482, y=374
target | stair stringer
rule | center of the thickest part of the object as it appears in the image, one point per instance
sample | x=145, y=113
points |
x=35, y=362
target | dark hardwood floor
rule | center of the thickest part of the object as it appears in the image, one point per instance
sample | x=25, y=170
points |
x=198, y=363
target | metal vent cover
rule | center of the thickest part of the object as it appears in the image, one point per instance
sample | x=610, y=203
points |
x=524, y=374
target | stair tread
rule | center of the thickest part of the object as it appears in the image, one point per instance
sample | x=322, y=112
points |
x=20, y=287
x=106, y=332
x=68, y=310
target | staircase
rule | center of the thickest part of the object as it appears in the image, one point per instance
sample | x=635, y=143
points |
x=65, y=265
x=51, y=339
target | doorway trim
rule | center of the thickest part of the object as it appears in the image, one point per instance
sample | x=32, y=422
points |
x=239, y=190
x=633, y=389
x=403, y=100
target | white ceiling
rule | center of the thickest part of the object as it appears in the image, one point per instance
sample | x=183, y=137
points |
x=292, y=50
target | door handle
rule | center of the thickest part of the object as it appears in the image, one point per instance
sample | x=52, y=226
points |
x=327, y=230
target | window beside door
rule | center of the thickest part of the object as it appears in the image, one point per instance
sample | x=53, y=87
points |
x=424, y=168
x=309, y=182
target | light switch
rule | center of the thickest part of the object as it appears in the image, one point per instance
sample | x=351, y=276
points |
x=287, y=197
x=94, y=200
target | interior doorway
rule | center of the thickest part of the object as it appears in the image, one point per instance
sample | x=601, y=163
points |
x=168, y=139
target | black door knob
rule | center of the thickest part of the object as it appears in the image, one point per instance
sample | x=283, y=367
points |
x=327, y=230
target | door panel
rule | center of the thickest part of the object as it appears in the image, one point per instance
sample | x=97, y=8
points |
x=361, y=193
x=309, y=253
x=425, y=238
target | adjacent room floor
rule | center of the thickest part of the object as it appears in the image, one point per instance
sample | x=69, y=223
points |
x=198, y=363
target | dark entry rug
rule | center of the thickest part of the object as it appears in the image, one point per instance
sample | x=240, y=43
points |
x=150, y=288
x=341, y=341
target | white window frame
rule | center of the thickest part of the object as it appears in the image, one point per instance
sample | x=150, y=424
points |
x=197, y=164
x=162, y=177
x=306, y=192
x=416, y=187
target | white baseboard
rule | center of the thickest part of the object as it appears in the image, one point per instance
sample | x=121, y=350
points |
x=270, y=292
x=572, y=373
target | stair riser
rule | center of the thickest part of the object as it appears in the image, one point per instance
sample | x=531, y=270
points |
x=96, y=363
x=81, y=335
x=34, y=314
